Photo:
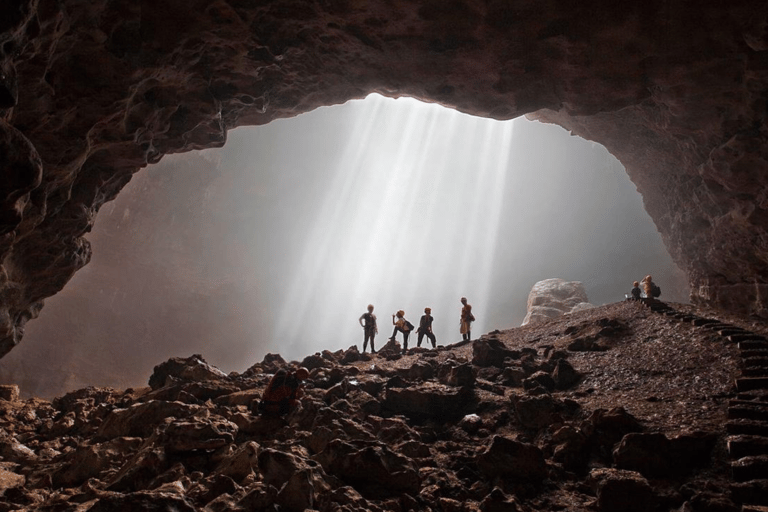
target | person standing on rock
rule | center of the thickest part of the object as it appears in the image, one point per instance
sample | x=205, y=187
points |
x=652, y=291
x=466, y=320
x=368, y=322
x=636, y=292
x=425, y=328
x=283, y=392
x=402, y=325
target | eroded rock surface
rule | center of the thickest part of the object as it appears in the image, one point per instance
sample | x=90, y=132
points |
x=554, y=297
x=92, y=91
x=435, y=433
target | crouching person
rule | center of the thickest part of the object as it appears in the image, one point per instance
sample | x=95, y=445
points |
x=283, y=392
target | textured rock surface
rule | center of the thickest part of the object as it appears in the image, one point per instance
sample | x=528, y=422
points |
x=551, y=298
x=92, y=91
x=161, y=449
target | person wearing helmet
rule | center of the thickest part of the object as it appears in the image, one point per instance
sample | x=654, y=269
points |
x=466, y=320
x=368, y=323
x=283, y=392
x=425, y=328
x=402, y=325
x=636, y=293
x=652, y=291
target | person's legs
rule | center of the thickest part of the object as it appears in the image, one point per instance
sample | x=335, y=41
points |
x=405, y=340
x=365, y=341
x=421, y=336
x=373, y=350
x=394, y=333
x=432, y=338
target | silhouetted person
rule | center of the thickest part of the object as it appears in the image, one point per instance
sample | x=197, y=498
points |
x=368, y=322
x=425, y=328
x=283, y=391
x=402, y=325
x=466, y=320
x=636, y=293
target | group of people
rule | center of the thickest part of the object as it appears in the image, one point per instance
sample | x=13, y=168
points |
x=645, y=289
x=370, y=328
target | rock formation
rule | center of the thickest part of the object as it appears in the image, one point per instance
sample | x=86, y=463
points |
x=554, y=297
x=427, y=431
x=90, y=92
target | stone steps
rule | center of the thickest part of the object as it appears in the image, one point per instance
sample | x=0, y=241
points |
x=747, y=427
x=754, y=508
x=749, y=362
x=737, y=338
x=698, y=322
x=756, y=371
x=751, y=383
x=754, y=352
x=751, y=412
x=752, y=493
x=742, y=446
x=751, y=467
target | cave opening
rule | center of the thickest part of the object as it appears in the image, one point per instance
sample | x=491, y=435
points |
x=278, y=241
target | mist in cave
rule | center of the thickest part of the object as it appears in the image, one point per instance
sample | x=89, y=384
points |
x=278, y=242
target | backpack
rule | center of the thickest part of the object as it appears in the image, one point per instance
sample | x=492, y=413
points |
x=656, y=291
x=408, y=326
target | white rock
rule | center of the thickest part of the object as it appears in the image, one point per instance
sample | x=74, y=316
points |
x=552, y=298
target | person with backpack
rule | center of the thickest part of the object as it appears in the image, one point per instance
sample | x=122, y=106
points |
x=466, y=320
x=283, y=392
x=368, y=322
x=652, y=291
x=425, y=328
x=402, y=325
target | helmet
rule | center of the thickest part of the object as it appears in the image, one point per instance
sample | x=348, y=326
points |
x=302, y=373
x=427, y=310
x=401, y=313
x=635, y=284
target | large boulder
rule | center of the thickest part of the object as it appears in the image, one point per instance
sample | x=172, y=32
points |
x=491, y=352
x=509, y=458
x=429, y=400
x=621, y=491
x=193, y=368
x=552, y=298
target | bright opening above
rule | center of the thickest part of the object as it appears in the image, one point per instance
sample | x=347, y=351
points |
x=279, y=241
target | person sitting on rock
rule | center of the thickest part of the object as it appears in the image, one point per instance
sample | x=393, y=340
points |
x=402, y=325
x=425, y=328
x=636, y=292
x=369, y=328
x=283, y=392
x=466, y=320
x=651, y=290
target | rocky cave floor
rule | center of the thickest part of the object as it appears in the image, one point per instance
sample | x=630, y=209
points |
x=617, y=408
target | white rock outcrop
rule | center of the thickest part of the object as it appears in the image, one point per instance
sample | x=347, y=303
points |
x=555, y=297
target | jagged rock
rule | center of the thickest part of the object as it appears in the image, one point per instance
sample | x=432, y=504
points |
x=513, y=376
x=541, y=411
x=140, y=420
x=245, y=397
x=9, y=393
x=606, y=428
x=508, y=458
x=420, y=371
x=373, y=470
x=552, y=298
x=143, y=500
x=491, y=352
x=648, y=454
x=192, y=392
x=141, y=469
x=540, y=378
x=709, y=502
x=565, y=375
x=622, y=491
x=241, y=462
x=351, y=355
x=391, y=351
x=10, y=480
x=193, y=368
x=316, y=361
x=471, y=423
x=570, y=448
x=429, y=400
x=298, y=493
x=498, y=501
x=277, y=467
x=88, y=461
x=199, y=434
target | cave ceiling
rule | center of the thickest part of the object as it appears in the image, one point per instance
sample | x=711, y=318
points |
x=91, y=91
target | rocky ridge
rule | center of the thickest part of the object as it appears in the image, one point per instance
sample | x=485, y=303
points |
x=617, y=408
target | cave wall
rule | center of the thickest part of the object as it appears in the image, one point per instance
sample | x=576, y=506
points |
x=93, y=90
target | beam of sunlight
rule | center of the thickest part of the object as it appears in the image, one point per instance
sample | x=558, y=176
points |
x=409, y=220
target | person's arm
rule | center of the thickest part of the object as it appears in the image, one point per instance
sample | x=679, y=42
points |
x=361, y=320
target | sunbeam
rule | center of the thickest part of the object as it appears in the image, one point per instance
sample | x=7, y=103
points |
x=409, y=220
